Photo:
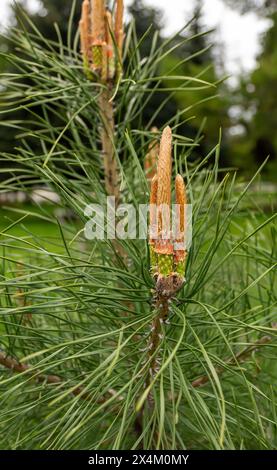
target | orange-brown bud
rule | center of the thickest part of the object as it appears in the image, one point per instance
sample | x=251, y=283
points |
x=164, y=182
x=85, y=28
x=165, y=168
x=98, y=33
x=109, y=29
x=82, y=37
x=110, y=46
x=118, y=27
x=181, y=201
x=154, y=190
x=164, y=246
x=153, y=209
x=98, y=21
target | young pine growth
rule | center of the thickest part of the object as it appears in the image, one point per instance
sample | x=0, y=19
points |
x=101, y=36
x=167, y=245
x=167, y=249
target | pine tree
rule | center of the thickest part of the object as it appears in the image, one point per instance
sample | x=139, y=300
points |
x=101, y=349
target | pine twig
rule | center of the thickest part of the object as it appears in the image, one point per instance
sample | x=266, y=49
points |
x=16, y=366
x=12, y=364
x=232, y=361
x=167, y=268
x=102, y=59
x=156, y=335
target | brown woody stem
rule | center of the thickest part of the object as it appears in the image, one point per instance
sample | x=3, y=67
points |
x=162, y=308
x=107, y=136
x=14, y=365
x=111, y=170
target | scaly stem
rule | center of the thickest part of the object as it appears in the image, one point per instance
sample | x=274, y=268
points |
x=112, y=183
x=156, y=336
x=155, y=339
x=107, y=136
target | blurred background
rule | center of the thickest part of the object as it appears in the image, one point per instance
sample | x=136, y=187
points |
x=240, y=46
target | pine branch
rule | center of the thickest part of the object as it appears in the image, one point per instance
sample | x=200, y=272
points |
x=239, y=358
x=11, y=363
x=16, y=366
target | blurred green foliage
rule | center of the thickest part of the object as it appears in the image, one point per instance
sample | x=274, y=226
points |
x=257, y=101
x=261, y=6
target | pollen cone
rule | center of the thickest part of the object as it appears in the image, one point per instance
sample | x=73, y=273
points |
x=164, y=184
x=85, y=28
x=163, y=245
x=179, y=248
x=98, y=35
x=98, y=21
x=118, y=26
x=153, y=223
x=109, y=45
x=165, y=168
x=153, y=209
x=181, y=200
